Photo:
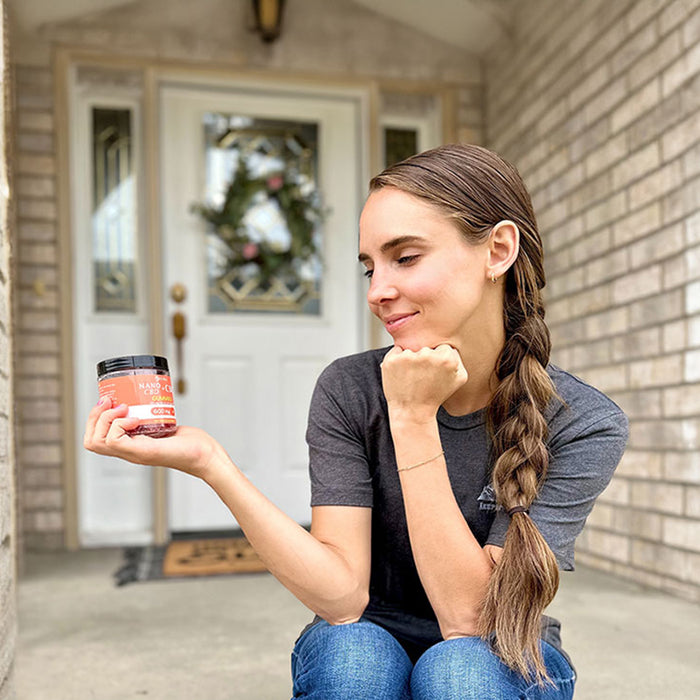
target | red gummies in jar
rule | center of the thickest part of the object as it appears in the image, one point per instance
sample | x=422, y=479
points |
x=143, y=383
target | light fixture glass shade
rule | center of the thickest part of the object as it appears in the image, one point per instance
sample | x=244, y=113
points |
x=268, y=18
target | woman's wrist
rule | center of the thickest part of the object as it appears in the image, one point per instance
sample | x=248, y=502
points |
x=215, y=464
x=416, y=438
x=411, y=416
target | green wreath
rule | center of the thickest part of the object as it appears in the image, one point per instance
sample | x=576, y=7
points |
x=300, y=211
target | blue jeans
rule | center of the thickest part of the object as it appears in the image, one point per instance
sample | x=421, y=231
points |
x=362, y=661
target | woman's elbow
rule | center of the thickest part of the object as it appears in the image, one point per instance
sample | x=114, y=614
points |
x=346, y=610
x=464, y=625
x=461, y=618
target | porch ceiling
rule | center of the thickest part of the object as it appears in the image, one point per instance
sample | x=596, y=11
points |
x=473, y=25
x=29, y=15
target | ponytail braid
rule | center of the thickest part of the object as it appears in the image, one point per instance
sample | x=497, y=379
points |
x=526, y=578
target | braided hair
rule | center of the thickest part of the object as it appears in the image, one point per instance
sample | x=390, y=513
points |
x=477, y=189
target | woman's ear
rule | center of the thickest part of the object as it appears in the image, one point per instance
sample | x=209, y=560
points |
x=504, y=245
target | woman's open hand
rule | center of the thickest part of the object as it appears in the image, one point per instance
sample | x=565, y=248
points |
x=416, y=384
x=188, y=449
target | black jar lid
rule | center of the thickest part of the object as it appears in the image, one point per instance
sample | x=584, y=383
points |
x=114, y=364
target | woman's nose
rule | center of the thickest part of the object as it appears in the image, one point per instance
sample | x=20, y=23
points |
x=381, y=288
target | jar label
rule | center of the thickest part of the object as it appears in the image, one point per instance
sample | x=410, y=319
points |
x=148, y=396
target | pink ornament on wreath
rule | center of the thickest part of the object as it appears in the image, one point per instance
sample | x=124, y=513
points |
x=250, y=251
x=275, y=183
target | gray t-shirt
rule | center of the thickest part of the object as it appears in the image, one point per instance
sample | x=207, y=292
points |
x=352, y=463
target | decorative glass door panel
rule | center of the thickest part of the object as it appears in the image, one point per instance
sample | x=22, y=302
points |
x=263, y=212
x=399, y=144
x=113, y=211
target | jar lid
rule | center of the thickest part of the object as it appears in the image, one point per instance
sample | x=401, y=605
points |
x=114, y=364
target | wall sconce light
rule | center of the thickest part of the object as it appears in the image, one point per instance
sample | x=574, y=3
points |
x=268, y=18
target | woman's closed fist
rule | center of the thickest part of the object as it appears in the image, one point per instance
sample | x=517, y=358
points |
x=418, y=383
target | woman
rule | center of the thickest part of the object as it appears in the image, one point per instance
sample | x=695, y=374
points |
x=450, y=474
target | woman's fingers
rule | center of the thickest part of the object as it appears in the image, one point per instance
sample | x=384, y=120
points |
x=100, y=423
x=104, y=421
x=442, y=356
x=119, y=428
x=420, y=381
x=455, y=359
x=108, y=432
x=102, y=405
x=118, y=442
x=394, y=352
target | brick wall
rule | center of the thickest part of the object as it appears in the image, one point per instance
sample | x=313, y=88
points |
x=37, y=333
x=598, y=103
x=8, y=542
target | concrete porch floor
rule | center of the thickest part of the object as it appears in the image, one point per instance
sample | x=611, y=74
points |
x=229, y=638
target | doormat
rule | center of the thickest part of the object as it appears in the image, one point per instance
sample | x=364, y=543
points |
x=182, y=558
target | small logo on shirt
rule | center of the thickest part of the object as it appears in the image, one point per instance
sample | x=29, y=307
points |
x=487, y=499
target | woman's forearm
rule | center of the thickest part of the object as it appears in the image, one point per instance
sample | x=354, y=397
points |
x=330, y=577
x=317, y=574
x=453, y=567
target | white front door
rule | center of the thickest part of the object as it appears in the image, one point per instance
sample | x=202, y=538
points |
x=249, y=364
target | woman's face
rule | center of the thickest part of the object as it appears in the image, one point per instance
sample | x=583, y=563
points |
x=426, y=283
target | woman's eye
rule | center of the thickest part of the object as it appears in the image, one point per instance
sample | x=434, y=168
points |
x=403, y=260
x=407, y=259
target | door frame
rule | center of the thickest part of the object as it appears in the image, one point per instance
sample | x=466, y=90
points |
x=366, y=91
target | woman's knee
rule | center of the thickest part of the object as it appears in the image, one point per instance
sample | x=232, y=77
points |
x=468, y=669
x=358, y=660
x=463, y=668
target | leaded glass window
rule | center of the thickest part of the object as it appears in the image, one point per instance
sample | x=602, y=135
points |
x=263, y=212
x=113, y=210
x=399, y=143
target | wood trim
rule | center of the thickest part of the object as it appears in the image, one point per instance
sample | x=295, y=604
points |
x=416, y=87
x=376, y=164
x=448, y=105
x=214, y=69
x=61, y=68
x=154, y=264
x=375, y=141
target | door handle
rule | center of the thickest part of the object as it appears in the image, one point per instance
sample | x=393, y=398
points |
x=178, y=294
x=179, y=332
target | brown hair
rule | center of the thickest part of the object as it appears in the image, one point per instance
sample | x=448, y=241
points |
x=476, y=189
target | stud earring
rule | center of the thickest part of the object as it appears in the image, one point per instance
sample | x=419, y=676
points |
x=494, y=279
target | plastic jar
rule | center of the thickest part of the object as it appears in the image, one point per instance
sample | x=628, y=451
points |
x=143, y=383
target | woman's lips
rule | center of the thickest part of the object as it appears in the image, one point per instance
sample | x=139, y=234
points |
x=396, y=321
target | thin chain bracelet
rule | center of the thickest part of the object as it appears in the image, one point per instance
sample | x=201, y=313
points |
x=420, y=464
